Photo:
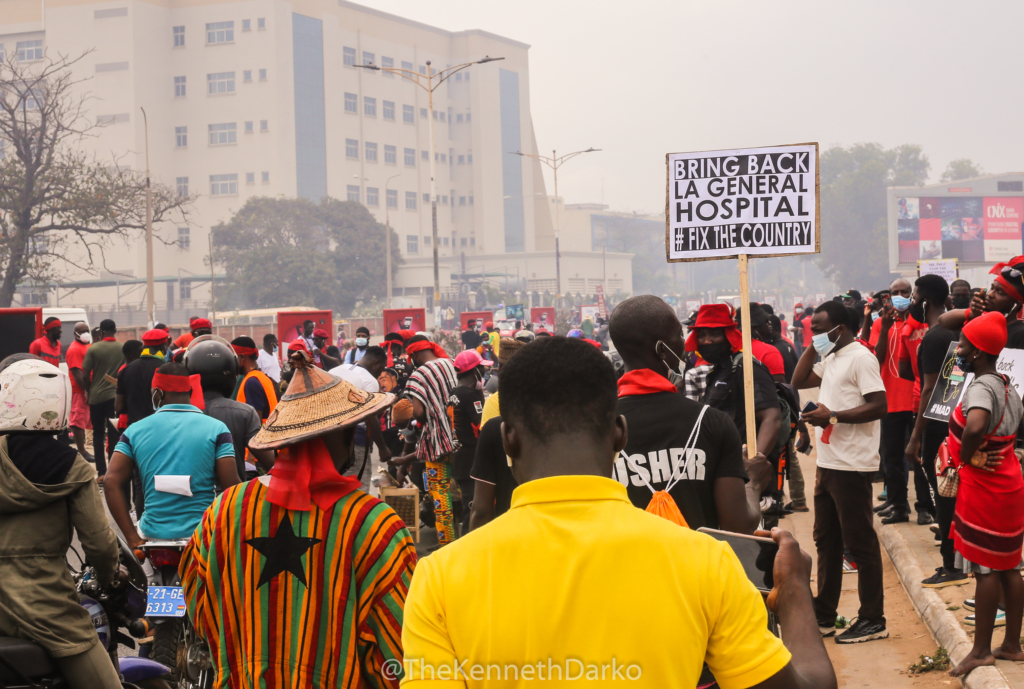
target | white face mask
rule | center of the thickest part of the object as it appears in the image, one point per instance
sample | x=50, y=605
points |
x=361, y=342
x=680, y=366
x=85, y=338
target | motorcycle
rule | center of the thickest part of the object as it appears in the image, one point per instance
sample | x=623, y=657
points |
x=175, y=641
x=26, y=665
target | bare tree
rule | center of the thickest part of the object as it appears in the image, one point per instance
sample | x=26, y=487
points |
x=60, y=205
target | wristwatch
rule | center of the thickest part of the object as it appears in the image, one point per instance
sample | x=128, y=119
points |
x=833, y=420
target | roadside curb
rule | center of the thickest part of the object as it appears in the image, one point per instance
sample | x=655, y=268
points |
x=940, y=622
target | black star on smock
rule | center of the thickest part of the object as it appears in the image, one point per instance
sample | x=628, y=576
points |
x=283, y=552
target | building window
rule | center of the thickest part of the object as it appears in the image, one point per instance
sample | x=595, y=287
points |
x=412, y=244
x=220, y=82
x=181, y=137
x=469, y=115
x=264, y=125
x=462, y=160
x=248, y=127
x=471, y=200
x=472, y=241
x=444, y=240
x=221, y=134
x=349, y=56
x=392, y=198
x=183, y=238
x=458, y=77
x=458, y=118
x=179, y=87
x=469, y=158
x=351, y=103
x=462, y=200
x=423, y=113
x=410, y=157
x=29, y=51
x=426, y=241
x=353, y=192
x=372, y=197
x=444, y=200
x=389, y=110
x=406, y=65
x=425, y=155
x=250, y=178
x=388, y=63
x=185, y=290
x=369, y=106
x=263, y=74
x=265, y=177
x=371, y=152
x=182, y=183
x=390, y=155
x=246, y=25
x=367, y=58
x=220, y=32
x=463, y=242
x=426, y=198
x=247, y=75
x=423, y=70
x=223, y=185
x=410, y=200
x=352, y=148
x=451, y=156
x=408, y=114
x=179, y=36
x=261, y=23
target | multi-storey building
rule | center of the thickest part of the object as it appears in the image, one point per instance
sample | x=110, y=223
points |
x=261, y=98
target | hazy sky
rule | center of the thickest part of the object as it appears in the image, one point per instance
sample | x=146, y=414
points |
x=642, y=78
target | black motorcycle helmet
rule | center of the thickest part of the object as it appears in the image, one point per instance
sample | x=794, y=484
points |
x=213, y=359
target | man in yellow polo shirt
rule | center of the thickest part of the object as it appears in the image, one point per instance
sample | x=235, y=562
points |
x=573, y=582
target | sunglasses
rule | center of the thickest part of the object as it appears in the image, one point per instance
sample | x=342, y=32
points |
x=1010, y=271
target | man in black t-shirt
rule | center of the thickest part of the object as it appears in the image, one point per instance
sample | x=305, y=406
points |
x=789, y=355
x=469, y=407
x=707, y=481
x=493, y=476
x=471, y=337
x=134, y=396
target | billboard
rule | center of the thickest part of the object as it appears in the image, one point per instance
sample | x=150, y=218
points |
x=405, y=319
x=467, y=318
x=977, y=222
x=543, y=318
x=289, y=325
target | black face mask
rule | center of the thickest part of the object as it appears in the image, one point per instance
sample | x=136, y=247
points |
x=716, y=353
x=961, y=301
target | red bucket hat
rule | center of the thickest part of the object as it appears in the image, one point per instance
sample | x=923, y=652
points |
x=715, y=316
x=987, y=332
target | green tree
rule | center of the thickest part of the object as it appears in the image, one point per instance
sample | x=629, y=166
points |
x=961, y=168
x=292, y=252
x=854, y=224
x=60, y=205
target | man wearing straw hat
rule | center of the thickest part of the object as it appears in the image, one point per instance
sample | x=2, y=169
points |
x=299, y=578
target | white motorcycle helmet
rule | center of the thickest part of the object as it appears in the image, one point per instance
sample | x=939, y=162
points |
x=34, y=396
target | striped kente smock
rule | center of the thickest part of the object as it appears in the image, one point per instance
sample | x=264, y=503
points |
x=265, y=627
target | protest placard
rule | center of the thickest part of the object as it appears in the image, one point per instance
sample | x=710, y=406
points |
x=946, y=268
x=953, y=381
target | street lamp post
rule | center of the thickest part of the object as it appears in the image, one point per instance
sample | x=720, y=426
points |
x=554, y=162
x=150, y=287
x=429, y=83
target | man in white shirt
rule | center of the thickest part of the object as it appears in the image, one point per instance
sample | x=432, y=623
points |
x=851, y=403
x=364, y=375
x=267, y=359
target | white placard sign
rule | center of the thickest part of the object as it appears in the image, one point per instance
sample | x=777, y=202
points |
x=754, y=201
x=946, y=268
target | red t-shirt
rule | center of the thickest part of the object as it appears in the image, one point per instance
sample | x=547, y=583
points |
x=899, y=393
x=769, y=356
x=808, y=335
x=46, y=351
x=74, y=358
x=911, y=335
x=184, y=340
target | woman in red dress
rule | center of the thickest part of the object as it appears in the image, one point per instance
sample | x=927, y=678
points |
x=988, y=527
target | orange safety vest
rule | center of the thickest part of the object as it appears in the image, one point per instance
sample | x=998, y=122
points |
x=268, y=389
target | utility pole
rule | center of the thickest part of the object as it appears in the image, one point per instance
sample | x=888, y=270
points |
x=213, y=301
x=387, y=224
x=150, y=288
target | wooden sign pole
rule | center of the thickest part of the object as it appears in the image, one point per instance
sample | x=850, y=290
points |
x=748, y=365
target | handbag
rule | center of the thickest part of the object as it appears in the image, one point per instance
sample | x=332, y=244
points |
x=949, y=476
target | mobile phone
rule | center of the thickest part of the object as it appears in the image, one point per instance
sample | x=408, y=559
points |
x=809, y=407
x=756, y=554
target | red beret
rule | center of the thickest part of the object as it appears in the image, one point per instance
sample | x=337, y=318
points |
x=154, y=337
x=987, y=332
x=320, y=332
x=200, y=323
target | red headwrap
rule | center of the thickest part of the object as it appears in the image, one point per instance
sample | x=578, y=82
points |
x=51, y=325
x=427, y=344
x=1007, y=286
x=304, y=474
x=192, y=384
x=154, y=337
x=245, y=351
x=406, y=334
x=200, y=323
x=987, y=332
x=389, y=346
x=716, y=316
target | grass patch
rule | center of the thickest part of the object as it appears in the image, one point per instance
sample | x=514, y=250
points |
x=953, y=607
x=938, y=662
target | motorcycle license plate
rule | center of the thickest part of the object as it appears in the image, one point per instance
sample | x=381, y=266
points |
x=165, y=601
